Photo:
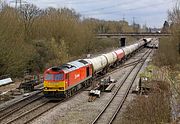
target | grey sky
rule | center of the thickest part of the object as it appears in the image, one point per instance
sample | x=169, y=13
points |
x=151, y=12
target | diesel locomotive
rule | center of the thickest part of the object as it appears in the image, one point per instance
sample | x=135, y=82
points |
x=67, y=79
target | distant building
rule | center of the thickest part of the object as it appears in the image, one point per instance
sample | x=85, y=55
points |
x=166, y=27
x=155, y=30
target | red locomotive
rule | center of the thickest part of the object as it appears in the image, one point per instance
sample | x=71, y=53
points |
x=64, y=80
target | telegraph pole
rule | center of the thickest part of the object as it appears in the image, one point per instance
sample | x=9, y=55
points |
x=123, y=18
x=18, y=2
x=133, y=20
x=134, y=24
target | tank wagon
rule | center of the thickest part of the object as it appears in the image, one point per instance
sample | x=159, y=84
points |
x=65, y=80
x=120, y=56
x=99, y=63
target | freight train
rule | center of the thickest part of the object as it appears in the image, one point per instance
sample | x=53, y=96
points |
x=67, y=79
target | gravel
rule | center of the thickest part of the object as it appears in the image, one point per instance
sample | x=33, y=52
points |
x=78, y=110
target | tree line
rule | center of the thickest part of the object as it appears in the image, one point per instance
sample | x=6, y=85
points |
x=35, y=39
x=169, y=51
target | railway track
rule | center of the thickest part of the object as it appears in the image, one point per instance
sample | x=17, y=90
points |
x=110, y=111
x=19, y=112
x=16, y=107
x=21, y=101
x=35, y=112
x=22, y=108
x=32, y=111
x=29, y=115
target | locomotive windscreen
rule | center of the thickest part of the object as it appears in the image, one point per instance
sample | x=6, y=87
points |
x=54, y=77
x=58, y=77
x=48, y=77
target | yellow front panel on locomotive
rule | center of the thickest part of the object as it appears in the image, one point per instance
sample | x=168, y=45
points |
x=54, y=86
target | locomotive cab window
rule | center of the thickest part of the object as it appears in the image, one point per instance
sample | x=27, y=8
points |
x=48, y=77
x=58, y=77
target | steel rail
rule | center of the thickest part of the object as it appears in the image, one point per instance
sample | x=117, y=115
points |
x=4, y=114
x=24, y=114
x=30, y=119
x=119, y=87
x=27, y=112
x=126, y=93
x=19, y=101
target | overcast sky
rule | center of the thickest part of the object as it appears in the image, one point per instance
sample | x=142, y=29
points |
x=150, y=12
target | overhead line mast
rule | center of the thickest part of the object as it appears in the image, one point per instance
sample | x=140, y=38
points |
x=20, y=2
x=16, y=3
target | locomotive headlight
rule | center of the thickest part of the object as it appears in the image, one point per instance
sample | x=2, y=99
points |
x=61, y=88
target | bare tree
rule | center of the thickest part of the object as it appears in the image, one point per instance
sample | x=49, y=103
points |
x=174, y=14
x=29, y=13
x=3, y=5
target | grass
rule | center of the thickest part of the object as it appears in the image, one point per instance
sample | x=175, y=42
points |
x=149, y=109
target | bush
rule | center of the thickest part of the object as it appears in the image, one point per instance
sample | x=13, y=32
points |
x=151, y=109
x=167, y=54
